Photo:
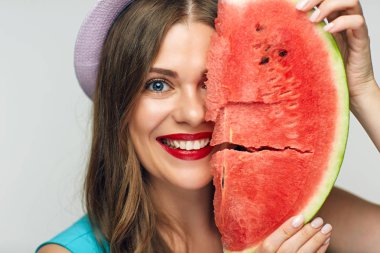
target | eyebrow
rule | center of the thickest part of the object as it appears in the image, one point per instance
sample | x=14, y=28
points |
x=171, y=73
x=166, y=72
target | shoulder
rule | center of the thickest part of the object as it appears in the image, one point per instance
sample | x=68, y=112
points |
x=354, y=220
x=52, y=248
x=78, y=238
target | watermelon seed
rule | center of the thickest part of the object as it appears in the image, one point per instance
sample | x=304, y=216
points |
x=223, y=177
x=264, y=60
x=259, y=28
x=283, y=53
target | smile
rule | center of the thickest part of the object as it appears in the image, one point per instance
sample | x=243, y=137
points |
x=187, y=146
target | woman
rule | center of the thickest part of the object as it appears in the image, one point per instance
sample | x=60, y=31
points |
x=149, y=91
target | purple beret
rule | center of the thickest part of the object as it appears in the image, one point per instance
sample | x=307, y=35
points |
x=90, y=40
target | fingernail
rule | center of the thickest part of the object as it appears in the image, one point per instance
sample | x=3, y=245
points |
x=328, y=27
x=327, y=241
x=326, y=229
x=317, y=222
x=298, y=221
x=315, y=15
x=301, y=4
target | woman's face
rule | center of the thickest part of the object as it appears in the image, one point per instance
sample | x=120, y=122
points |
x=167, y=127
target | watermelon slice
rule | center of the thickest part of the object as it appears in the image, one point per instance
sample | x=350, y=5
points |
x=278, y=95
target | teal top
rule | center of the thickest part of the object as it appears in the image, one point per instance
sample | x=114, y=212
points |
x=79, y=238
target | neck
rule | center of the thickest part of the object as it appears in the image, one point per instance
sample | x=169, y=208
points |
x=193, y=208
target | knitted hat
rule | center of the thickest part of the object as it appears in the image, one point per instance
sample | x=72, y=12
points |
x=90, y=40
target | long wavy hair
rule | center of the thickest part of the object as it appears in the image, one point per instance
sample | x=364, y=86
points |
x=116, y=192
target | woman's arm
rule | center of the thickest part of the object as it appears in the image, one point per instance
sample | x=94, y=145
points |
x=366, y=108
x=53, y=248
x=356, y=223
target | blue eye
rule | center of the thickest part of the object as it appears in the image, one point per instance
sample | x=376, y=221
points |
x=157, y=86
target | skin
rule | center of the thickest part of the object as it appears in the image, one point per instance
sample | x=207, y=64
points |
x=355, y=230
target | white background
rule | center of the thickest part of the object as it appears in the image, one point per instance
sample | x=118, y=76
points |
x=45, y=122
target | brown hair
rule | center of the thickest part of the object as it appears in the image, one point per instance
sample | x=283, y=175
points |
x=116, y=191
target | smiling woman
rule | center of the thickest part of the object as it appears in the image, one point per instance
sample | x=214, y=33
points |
x=148, y=184
x=166, y=99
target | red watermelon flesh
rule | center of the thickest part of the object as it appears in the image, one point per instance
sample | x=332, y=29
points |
x=277, y=93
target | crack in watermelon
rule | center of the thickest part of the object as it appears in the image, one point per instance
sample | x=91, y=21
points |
x=242, y=148
x=253, y=102
x=253, y=149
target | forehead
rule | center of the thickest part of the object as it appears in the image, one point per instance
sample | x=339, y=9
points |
x=184, y=42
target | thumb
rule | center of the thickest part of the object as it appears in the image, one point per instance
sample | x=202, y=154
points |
x=274, y=241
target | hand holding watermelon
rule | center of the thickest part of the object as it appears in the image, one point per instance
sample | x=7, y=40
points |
x=292, y=237
x=349, y=28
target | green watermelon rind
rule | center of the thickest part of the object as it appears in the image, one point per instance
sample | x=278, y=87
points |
x=337, y=155
x=341, y=134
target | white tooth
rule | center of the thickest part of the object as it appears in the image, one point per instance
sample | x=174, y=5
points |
x=171, y=143
x=197, y=144
x=189, y=145
x=176, y=144
x=200, y=143
x=182, y=144
x=204, y=143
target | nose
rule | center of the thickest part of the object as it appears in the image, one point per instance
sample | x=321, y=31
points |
x=190, y=108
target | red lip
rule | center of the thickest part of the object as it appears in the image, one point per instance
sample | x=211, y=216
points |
x=187, y=154
x=186, y=137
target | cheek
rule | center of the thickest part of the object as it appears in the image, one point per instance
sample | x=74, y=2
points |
x=149, y=115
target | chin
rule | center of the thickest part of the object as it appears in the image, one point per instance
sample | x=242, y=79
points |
x=193, y=181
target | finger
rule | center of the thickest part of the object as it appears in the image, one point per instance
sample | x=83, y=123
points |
x=294, y=243
x=329, y=7
x=284, y=232
x=354, y=22
x=317, y=241
x=307, y=5
x=325, y=246
x=333, y=15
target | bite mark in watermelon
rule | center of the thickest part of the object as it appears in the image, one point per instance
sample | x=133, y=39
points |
x=278, y=95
